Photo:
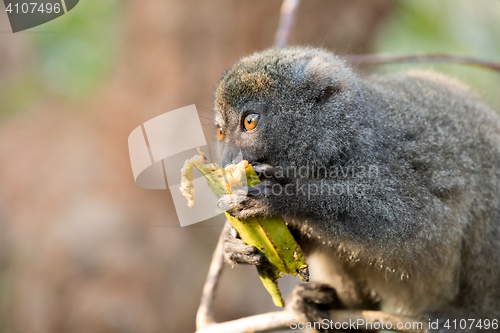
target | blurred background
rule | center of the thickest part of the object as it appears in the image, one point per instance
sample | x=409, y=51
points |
x=82, y=248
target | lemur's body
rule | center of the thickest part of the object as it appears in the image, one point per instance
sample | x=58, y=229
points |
x=420, y=234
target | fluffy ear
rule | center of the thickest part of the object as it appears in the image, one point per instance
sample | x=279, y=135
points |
x=322, y=77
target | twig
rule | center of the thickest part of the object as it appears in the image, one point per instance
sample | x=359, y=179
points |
x=287, y=20
x=283, y=320
x=266, y=322
x=379, y=59
x=205, y=316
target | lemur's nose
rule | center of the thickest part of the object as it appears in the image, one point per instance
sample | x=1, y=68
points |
x=225, y=153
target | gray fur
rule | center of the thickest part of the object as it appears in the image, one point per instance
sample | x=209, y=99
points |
x=423, y=237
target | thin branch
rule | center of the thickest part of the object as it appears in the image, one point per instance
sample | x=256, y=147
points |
x=267, y=322
x=205, y=316
x=283, y=320
x=379, y=59
x=287, y=20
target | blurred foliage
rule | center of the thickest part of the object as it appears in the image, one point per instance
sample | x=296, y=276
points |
x=71, y=56
x=447, y=26
x=82, y=48
x=19, y=94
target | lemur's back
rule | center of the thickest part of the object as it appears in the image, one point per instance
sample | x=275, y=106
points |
x=450, y=140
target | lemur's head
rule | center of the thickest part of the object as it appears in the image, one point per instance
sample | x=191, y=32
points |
x=269, y=104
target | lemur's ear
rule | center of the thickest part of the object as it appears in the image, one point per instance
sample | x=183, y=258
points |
x=322, y=77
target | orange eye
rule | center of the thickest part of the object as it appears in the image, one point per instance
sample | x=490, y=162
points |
x=251, y=121
x=220, y=134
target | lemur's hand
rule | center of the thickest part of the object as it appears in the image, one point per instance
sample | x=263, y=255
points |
x=258, y=201
x=237, y=251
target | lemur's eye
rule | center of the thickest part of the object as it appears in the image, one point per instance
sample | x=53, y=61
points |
x=220, y=134
x=251, y=121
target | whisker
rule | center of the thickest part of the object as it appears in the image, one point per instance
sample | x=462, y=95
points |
x=207, y=109
x=206, y=118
